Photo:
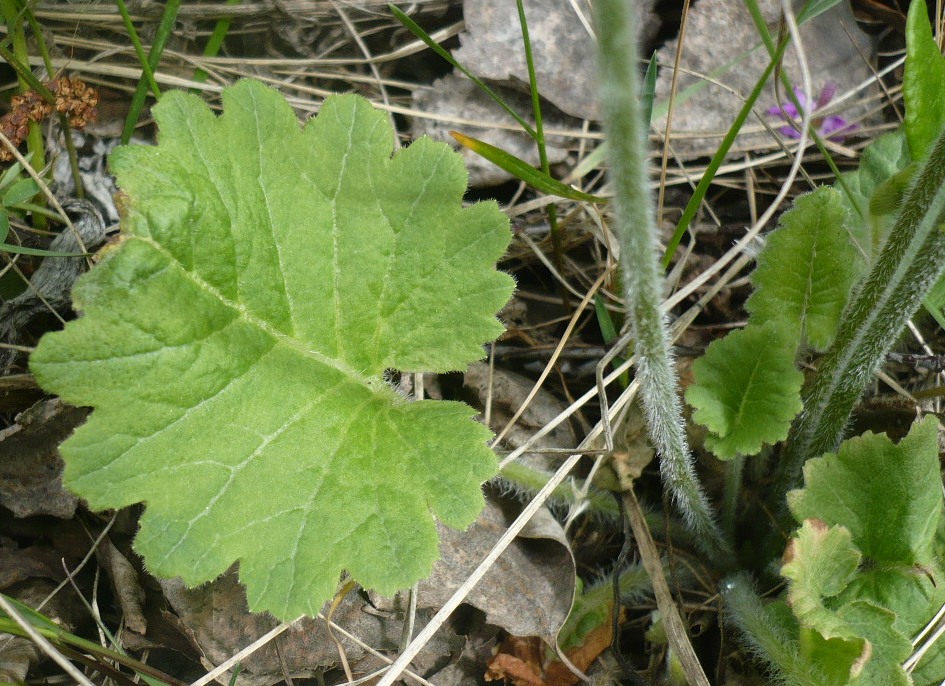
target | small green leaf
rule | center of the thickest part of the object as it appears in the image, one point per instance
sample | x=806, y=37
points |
x=923, y=82
x=889, y=496
x=522, y=170
x=806, y=269
x=234, y=347
x=888, y=196
x=881, y=160
x=820, y=562
x=746, y=389
x=12, y=172
x=20, y=192
x=648, y=90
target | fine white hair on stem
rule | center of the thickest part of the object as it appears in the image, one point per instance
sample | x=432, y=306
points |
x=635, y=226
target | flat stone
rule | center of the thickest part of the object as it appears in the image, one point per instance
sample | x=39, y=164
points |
x=563, y=48
x=720, y=32
x=459, y=105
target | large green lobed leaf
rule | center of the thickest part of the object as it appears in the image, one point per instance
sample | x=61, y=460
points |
x=234, y=347
x=888, y=495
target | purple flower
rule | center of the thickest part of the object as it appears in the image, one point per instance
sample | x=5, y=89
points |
x=832, y=126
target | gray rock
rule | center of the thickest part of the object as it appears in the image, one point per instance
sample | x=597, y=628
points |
x=460, y=105
x=563, y=48
x=721, y=31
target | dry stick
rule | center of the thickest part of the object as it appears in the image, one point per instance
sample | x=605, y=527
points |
x=244, y=653
x=676, y=631
x=554, y=357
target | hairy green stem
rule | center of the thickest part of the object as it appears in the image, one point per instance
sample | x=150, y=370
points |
x=756, y=628
x=636, y=231
x=910, y=263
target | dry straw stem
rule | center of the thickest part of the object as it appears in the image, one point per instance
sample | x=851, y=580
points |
x=676, y=631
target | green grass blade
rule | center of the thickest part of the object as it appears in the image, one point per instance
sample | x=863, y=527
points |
x=415, y=29
x=703, y=186
x=212, y=49
x=139, y=49
x=20, y=250
x=161, y=37
x=523, y=171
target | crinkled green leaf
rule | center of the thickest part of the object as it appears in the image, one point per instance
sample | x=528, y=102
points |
x=234, y=347
x=846, y=636
x=912, y=593
x=806, y=270
x=888, y=495
x=923, y=82
x=746, y=389
x=889, y=647
x=819, y=563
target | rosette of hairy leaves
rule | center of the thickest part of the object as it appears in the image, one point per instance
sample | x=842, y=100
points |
x=234, y=345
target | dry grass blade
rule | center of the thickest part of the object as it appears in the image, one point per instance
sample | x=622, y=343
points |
x=676, y=631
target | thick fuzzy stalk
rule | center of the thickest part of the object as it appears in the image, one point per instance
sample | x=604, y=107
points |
x=910, y=263
x=757, y=629
x=636, y=230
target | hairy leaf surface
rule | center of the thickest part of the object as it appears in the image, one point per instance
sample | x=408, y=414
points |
x=892, y=518
x=234, y=347
x=746, y=390
x=806, y=270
